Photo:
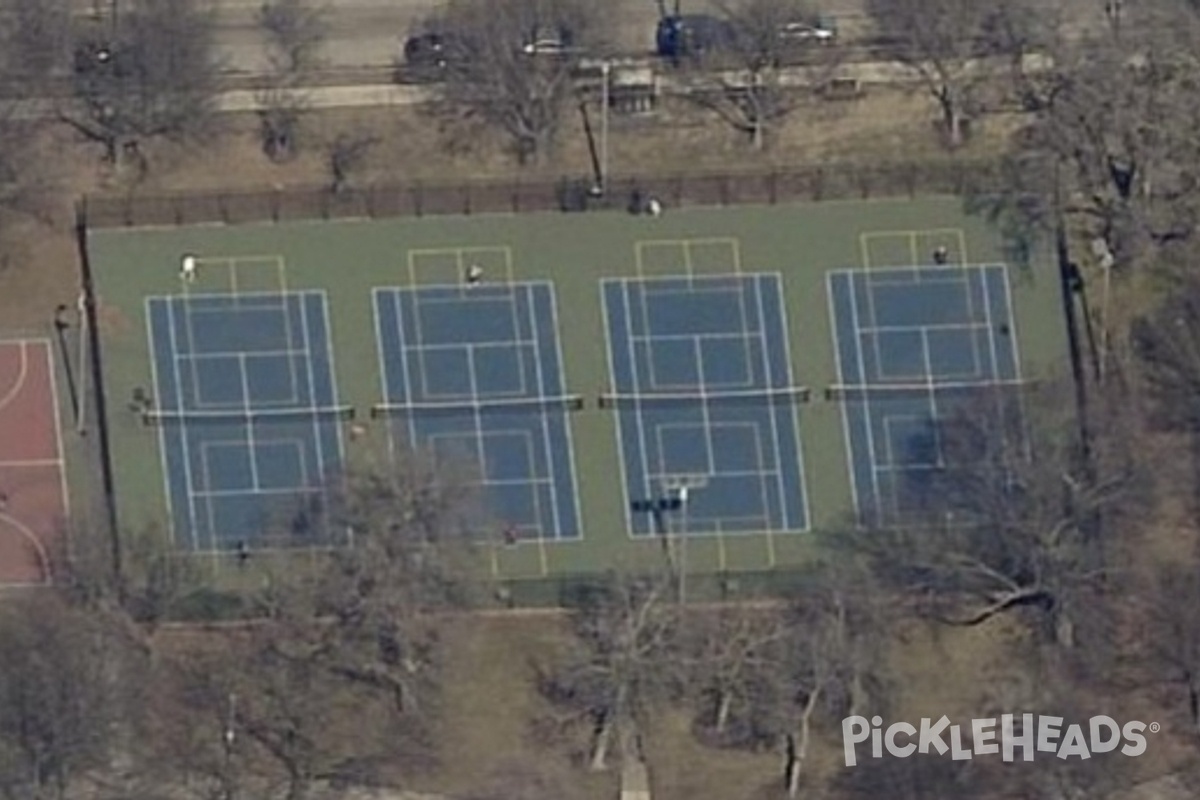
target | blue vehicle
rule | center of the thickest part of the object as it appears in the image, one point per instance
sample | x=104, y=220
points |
x=691, y=35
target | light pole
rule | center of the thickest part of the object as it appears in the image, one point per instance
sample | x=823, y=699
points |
x=605, y=72
x=679, y=487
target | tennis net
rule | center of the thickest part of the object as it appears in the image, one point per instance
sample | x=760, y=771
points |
x=484, y=405
x=155, y=418
x=787, y=394
x=840, y=393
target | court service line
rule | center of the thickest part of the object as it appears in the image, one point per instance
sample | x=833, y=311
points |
x=32, y=463
x=935, y=418
x=253, y=454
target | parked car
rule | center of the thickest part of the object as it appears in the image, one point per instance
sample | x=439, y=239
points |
x=808, y=32
x=691, y=35
x=549, y=41
x=426, y=50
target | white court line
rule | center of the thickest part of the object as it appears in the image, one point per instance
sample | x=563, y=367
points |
x=1016, y=355
x=640, y=426
x=409, y=383
x=951, y=327
x=545, y=417
x=22, y=371
x=183, y=435
x=377, y=295
x=837, y=349
x=32, y=463
x=162, y=430
x=434, y=348
x=566, y=420
x=609, y=346
x=249, y=424
x=789, y=376
x=38, y=548
x=935, y=417
x=866, y=400
x=55, y=413
x=322, y=465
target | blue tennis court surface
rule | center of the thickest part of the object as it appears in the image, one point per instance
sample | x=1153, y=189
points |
x=475, y=373
x=916, y=346
x=243, y=384
x=697, y=359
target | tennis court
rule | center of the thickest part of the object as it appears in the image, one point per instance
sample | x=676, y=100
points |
x=915, y=347
x=611, y=382
x=34, y=500
x=475, y=374
x=702, y=379
x=245, y=401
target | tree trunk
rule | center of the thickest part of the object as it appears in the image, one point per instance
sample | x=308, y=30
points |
x=599, y=761
x=858, y=695
x=798, y=745
x=952, y=118
x=724, y=703
x=1194, y=702
x=1064, y=629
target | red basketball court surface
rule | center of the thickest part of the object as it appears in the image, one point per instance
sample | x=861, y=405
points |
x=33, y=492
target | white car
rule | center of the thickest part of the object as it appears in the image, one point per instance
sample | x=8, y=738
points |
x=808, y=32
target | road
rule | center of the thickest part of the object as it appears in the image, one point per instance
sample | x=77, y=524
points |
x=368, y=33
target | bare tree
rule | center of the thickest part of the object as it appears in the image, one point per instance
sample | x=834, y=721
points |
x=154, y=76
x=346, y=156
x=1167, y=342
x=1015, y=521
x=414, y=529
x=35, y=35
x=1117, y=126
x=621, y=668
x=743, y=79
x=509, y=66
x=295, y=32
x=941, y=41
x=729, y=649
x=1169, y=647
x=60, y=697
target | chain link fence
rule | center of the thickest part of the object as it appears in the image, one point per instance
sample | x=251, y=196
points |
x=833, y=181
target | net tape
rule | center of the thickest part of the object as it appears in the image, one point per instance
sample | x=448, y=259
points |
x=885, y=391
x=520, y=405
x=789, y=394
x=248, y=416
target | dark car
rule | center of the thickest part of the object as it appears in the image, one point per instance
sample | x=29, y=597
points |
x=427, y=51
x=691, y=35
